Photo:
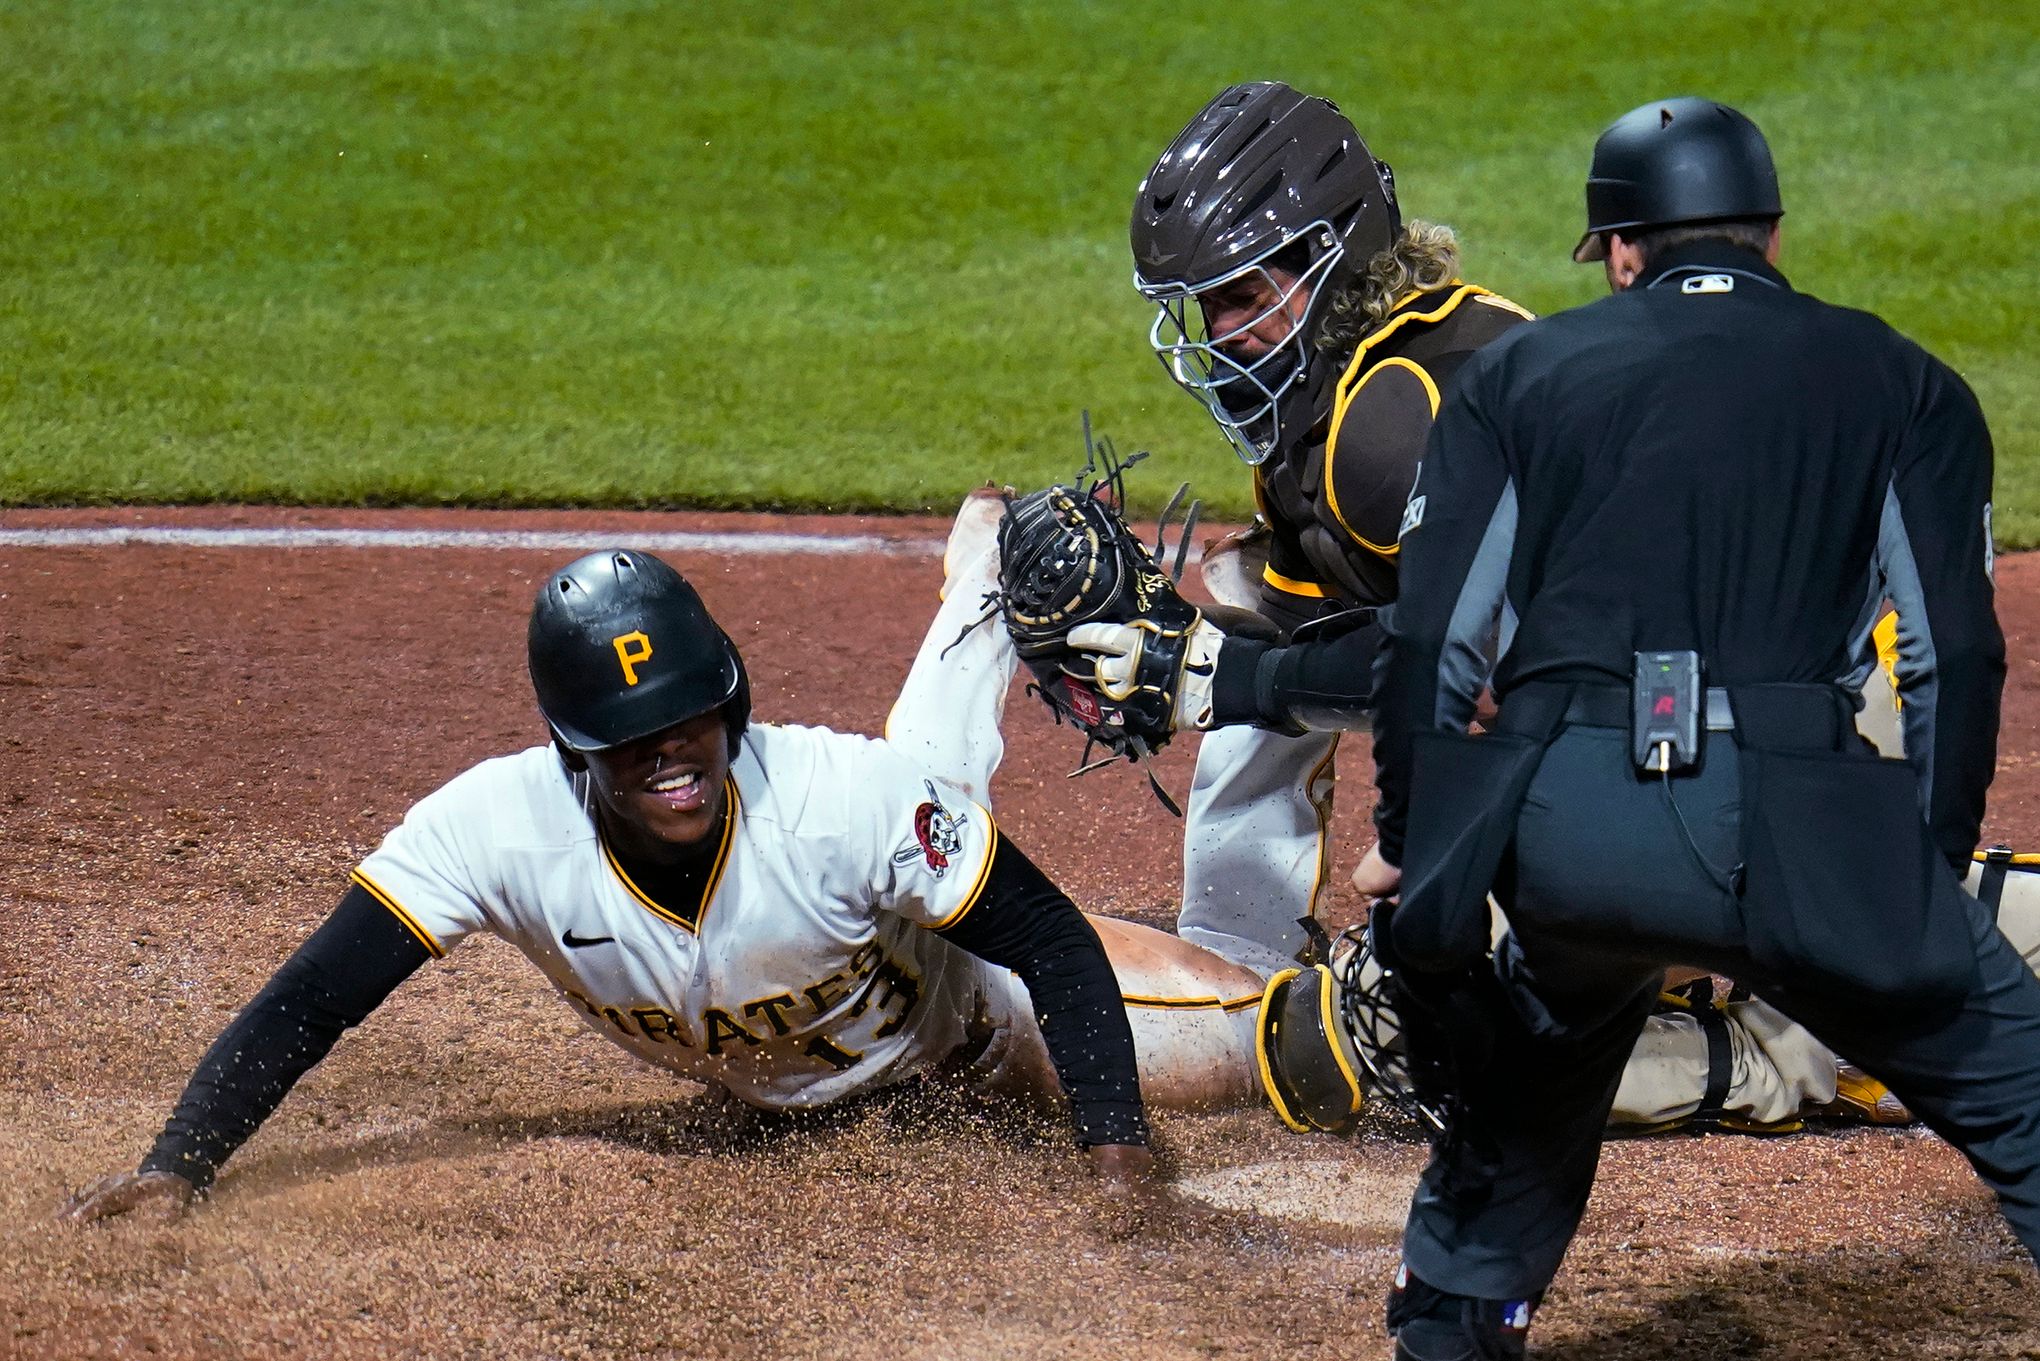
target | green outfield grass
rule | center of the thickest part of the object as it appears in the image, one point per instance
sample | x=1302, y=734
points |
x=857, y=255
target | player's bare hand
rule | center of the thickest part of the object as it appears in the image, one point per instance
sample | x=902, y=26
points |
x=1137, y=1203
x=1123, y=1169
x=1374, y=876
x=163, y=1194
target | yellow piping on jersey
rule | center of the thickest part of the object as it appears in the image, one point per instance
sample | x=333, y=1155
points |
x=1460, y=293
x=715, y=873
x=1355, y=378
x=2023, y=858
x=1502, y=304
x=411, y=924
x=1191, y=1003
x=1268, y=1083
x=1323, y=809
x=1291, y=586
x=977, y=890
x=1345, y=404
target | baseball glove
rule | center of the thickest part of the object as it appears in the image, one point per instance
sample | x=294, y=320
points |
x=1068, y=564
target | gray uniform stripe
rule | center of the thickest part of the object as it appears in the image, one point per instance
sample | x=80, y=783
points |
x=1469, y=653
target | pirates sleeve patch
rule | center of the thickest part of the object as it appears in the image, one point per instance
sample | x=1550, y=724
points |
x=938, y=835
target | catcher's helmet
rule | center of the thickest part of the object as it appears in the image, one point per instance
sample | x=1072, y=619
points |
x=1677, y=161
x=1260, y=169
x=621, y=647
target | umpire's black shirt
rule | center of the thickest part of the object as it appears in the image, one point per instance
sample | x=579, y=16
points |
x=1709, y=461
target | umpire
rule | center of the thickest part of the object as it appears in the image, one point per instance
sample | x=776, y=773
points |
x=1674, y=514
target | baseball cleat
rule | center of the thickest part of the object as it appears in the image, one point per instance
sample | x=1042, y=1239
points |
x=1858, y=1096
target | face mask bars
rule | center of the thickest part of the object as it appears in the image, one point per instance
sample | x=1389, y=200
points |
x=1242, y=397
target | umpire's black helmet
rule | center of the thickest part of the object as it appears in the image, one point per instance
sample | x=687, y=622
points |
x=1677, y=161
x=621, y=647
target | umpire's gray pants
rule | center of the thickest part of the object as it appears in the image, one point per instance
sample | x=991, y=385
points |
x=1606, y=893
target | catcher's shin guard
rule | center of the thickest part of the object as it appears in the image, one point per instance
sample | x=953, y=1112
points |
x=1308, y=1065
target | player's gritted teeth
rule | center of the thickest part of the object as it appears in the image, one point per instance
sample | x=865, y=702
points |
x=681, y=789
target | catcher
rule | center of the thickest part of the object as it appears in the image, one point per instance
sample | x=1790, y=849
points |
x=788, y=915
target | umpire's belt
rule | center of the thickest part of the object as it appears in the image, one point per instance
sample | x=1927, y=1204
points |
x=1793, y=717
x=1610, y=706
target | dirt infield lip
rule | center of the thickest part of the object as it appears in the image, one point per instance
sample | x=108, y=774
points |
x=737, y=534
x=304, y=537
x=884, y=529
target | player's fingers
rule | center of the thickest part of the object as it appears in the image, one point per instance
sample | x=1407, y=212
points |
x=1116, y=640
x=1116, y=652
x=108, y=1196
x=75, y=1203
x=125, y=1191
x=1374, y=876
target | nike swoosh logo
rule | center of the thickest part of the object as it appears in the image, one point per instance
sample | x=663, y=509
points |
x=1200, y=668
x=574, y=942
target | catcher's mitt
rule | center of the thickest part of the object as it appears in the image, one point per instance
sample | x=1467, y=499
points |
x=1066, y=559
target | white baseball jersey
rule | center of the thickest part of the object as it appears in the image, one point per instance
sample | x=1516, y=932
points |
x=804, y=971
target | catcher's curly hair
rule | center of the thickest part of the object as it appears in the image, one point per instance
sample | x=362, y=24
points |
x=1424, y=256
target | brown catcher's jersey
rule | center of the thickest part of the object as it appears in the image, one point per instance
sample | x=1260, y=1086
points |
x=1334, y=501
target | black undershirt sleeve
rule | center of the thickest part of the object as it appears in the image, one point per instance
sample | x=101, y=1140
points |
x=336, y=978
x=1025, y=923
x=1324, y=684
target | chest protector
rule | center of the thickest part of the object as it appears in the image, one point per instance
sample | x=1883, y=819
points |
x=1335, y=498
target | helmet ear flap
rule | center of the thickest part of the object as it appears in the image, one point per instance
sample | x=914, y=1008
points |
x=736, y=709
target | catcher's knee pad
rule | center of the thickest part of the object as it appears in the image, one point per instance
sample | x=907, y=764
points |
x=1307, y=1062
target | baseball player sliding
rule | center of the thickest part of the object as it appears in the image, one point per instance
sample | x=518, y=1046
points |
x=787, y=914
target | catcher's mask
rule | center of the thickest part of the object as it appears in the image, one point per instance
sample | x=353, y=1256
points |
x=1367, y=1004
x=1677, y=161
x=1263, y=178
x=621, y=647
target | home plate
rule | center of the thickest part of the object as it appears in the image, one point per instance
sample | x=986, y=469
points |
x=1344, y=1193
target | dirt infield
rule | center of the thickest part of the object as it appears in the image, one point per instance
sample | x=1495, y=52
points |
x=199, y=742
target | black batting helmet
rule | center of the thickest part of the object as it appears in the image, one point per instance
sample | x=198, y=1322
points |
x=621, y=647
x=1262, y=168
x=1677, y=161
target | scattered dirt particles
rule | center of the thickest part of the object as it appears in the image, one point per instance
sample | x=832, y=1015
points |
x=198, y=744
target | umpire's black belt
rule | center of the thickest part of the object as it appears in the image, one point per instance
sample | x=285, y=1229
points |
x=1609, y=706
x=1790, y=716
